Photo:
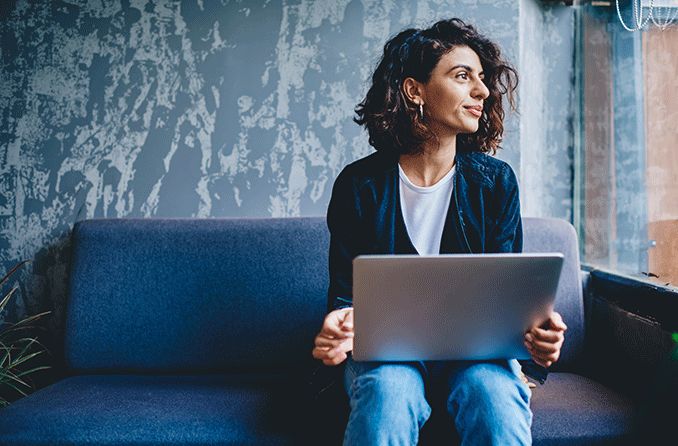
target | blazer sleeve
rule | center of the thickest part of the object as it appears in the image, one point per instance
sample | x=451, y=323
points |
x=506, y=234
x=343, y=222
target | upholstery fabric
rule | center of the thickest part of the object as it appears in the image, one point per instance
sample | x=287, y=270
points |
x=216, y=409
x=554, y=235
x=573, y=410
x=154, y=410
x=199, y=331
x=568, y=410
x=191, y=295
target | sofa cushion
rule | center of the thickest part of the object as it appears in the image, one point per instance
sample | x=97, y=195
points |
x=155, y=410
x=574, y=410
x=568, y=410
x=209, y=409
x=172, y=296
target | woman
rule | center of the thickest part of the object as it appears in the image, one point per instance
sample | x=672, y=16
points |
x=434, y=112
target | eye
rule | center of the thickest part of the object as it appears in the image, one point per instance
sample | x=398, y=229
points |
x=462, y=75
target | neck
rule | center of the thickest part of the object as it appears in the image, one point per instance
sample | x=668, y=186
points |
x=427, y=167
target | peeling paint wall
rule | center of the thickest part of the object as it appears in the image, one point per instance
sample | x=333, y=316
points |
x=195, y=108
x=546, y=106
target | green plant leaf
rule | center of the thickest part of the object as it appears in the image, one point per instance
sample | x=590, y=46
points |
x=6, y=355
x=31, y=318
x=17, y=348
x=25, y=358
x=5, y=333
x=12, y=328
x=30, y=340
x=12, y=377
x=5, y=299
x=28, y=372
x=12, y=271
x=16, y=388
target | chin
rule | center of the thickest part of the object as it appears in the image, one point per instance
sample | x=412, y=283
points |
x=463, y=127
x=470, y=126
x=471, y=129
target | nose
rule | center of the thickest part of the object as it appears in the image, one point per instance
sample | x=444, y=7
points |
x=480, y=90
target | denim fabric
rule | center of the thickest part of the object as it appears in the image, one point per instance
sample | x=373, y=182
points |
x=486, y=401
x=364, y=217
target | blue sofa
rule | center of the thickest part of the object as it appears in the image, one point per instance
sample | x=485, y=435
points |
x=199, y=331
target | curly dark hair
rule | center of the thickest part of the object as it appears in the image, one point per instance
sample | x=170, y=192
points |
x=393, y=123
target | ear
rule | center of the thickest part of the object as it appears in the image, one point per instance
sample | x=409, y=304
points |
x=413, y=91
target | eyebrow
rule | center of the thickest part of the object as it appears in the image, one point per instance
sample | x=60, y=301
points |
x=465, y=67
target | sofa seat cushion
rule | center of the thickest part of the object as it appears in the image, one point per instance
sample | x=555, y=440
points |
x=567, y=410
x=570, y=409
x=150, y=410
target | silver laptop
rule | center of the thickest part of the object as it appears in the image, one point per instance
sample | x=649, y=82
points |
x=450, y=307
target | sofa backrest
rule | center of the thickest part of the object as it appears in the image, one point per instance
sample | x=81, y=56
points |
x=555, y=235
x=199, y=295
x=214, y=295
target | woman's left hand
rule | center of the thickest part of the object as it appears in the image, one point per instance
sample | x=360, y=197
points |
x=544, y=343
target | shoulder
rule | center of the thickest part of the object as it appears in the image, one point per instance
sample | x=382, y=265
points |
x=345, y=202
x=488, y=169
x=367, y=169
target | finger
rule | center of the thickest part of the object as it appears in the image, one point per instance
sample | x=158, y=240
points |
x=347, y=323
x=545, y=348
x=537, y=358
x=556, y=322
x=332, y=324
x=545, y=337
x=546, y=360
x=539, y=334
x=336, y=360
x=343, y=347
x=322, y=341
x=545, y=364
x=335, y=354
x=332, y=330
x=346, y=346
x=323, y=354
x=342, y=312
x=542, y=358
x=319, y=353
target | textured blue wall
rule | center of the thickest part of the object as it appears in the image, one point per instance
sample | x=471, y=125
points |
x=546, y=107
x=198, y=108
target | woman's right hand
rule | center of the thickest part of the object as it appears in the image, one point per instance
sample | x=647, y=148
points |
x=335, y=339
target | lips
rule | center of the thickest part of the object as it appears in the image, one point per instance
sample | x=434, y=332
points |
x=475, y=110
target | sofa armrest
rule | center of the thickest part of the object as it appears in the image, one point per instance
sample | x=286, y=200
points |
x=626, y=343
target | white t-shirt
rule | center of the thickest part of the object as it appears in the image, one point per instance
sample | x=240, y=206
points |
x=425, y=210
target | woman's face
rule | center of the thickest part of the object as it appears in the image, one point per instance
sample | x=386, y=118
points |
x=453, y=97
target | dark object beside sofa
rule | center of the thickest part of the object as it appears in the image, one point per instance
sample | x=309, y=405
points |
x=199, y=331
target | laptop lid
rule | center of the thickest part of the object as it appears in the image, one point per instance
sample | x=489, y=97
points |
x=451, y=306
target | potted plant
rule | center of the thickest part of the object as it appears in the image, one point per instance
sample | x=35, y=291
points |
x=17, y=348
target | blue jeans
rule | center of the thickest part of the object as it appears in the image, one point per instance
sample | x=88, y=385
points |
x=487, y=401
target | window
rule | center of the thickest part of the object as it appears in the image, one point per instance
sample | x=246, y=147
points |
x=626, y=179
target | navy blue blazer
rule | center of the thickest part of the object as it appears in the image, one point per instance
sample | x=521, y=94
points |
x=364, y=217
